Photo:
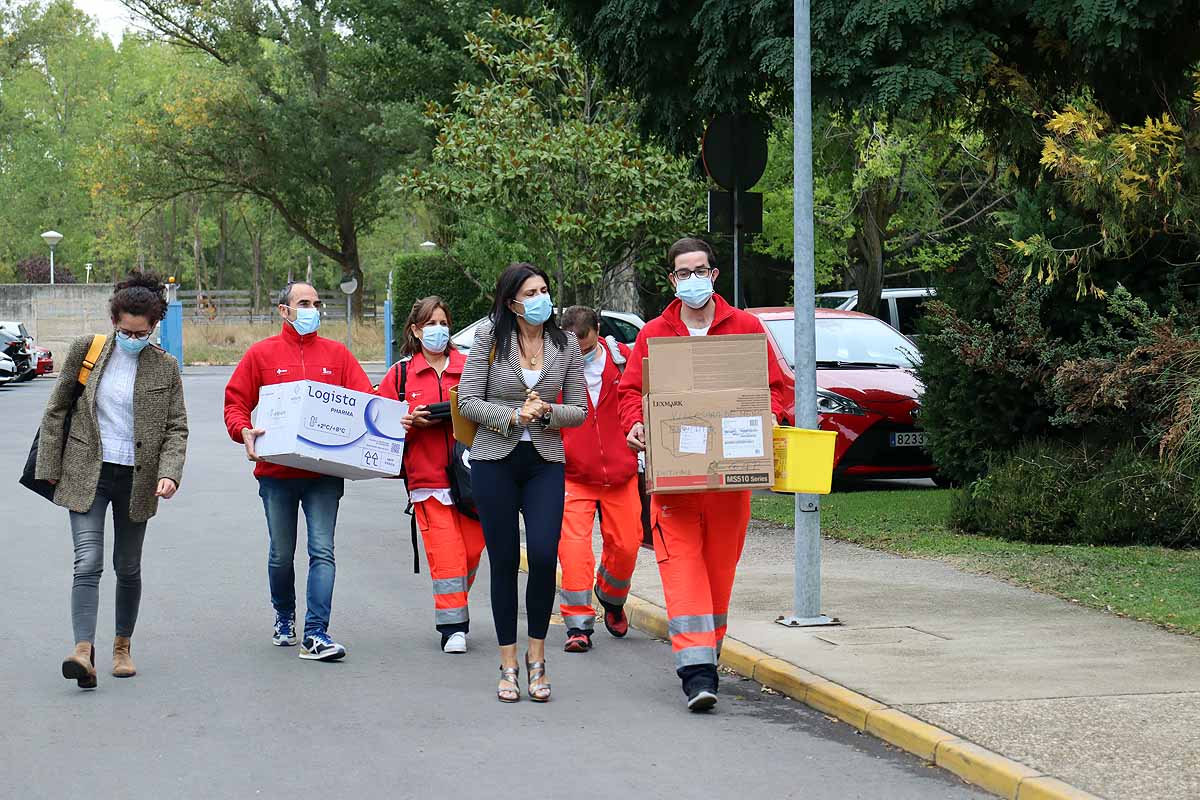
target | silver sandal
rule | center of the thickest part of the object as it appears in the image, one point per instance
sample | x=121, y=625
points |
x=539, y=687
x=509, y=675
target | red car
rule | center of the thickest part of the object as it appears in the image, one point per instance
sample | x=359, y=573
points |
x=866, y=391
x=45, y=361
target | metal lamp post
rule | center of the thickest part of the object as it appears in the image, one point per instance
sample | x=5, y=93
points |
x=52, y=238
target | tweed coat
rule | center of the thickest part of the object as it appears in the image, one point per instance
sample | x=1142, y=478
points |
x=160, y=431
x=502, y=380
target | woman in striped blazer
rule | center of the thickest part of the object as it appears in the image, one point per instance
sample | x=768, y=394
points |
x=520, y=356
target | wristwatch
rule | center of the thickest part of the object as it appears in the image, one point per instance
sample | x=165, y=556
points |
x=545, y=418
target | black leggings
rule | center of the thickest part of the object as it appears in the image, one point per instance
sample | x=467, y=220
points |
x=526, y=483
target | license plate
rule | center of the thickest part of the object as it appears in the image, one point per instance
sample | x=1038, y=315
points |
x=908, y=439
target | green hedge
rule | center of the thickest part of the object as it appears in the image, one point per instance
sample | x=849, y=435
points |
x=1054, y=493
x=419, y=275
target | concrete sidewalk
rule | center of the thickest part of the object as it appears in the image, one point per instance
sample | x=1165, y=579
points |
x=1108, y=705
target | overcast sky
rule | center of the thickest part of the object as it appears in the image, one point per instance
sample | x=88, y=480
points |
x=111, y=15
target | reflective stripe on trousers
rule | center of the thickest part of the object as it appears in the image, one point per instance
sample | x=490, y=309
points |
x=453, y=547
x=698, y=540
x=619, y=509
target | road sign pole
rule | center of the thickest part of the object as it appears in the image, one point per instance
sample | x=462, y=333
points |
x=737, y=252
x=806, y=607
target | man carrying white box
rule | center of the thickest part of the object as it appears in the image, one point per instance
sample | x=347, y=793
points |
x=296, y=354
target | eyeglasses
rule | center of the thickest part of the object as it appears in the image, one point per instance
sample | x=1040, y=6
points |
x=141, y=336
x=699, y=272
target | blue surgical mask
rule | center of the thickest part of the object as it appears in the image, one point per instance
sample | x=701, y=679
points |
x=695, y=291
x=434, y=338
x=131, y=345
x=590, y=355
x=537, y=309
x=307, y=320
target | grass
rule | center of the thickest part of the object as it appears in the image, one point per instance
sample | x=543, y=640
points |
x=224, y=344
x=1151, y=584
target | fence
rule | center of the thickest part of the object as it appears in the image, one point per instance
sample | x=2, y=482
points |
x=237, y=306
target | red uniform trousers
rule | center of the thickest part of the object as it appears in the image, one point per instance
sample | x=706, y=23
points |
x=453, y=544
x=620, y=510
x=698, y=540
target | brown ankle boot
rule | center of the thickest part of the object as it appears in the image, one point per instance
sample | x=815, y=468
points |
x=122, y=662
x=80, y=666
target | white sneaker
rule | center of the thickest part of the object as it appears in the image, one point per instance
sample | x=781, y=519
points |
x=456, y=643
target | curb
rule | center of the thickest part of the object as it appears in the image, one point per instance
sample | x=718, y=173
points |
x=976, y=765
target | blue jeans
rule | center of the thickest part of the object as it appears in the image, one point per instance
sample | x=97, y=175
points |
x=282, y=498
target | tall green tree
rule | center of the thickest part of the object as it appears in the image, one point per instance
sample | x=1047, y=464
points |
x=891, y=198
x=292, y=107
x=688, y=61
x=543, y=147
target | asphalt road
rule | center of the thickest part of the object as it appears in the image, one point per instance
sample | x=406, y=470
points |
x=217, y=712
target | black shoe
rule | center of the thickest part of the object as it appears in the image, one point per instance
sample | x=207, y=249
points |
x=700, y=686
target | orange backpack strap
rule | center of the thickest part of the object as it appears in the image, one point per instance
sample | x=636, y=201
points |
x=93, y=355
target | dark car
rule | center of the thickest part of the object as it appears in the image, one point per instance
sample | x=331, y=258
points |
x=866, y=391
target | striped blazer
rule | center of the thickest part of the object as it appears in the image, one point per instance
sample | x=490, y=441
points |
x=504, y=385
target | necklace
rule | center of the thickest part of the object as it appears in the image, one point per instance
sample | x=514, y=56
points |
x=533, y=358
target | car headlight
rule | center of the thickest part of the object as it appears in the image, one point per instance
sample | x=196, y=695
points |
x=834, y=403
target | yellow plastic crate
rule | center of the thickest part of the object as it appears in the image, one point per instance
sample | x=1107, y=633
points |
x=803, y=460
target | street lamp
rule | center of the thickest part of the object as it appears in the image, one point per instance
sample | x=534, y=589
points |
x=52, y=238
x=428, y=246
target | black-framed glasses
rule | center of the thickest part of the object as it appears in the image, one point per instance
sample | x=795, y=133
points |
x=141, y=336
x=699, y=272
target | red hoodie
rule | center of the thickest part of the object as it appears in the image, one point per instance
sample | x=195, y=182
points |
x=596, y=451
x=727, y=320
x=282, y=359
x=427, y=451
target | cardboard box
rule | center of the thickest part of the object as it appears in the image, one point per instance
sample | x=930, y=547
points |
x=330, y=430
x=706, y=403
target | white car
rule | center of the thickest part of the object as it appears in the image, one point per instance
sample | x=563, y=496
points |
x=621, y=326
x=8, y=370
x=900, y=308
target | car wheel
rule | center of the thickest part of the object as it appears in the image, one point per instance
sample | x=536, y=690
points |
x=28, y=376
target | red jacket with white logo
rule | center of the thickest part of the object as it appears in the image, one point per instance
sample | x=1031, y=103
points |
x=596, y=451
x=727, y=320
x=282, y=359
x=427, y=451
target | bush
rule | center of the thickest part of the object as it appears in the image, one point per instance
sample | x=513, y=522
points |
x=1051, y=493
x=419, y=275
x=36, y=269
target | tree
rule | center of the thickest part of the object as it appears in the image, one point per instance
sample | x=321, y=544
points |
x=542, y=147
x=281, y=106
x=891, y=198
x=686, y=62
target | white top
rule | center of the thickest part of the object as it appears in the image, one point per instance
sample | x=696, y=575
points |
x=698, y=331
x=593, y=371
x=441, y=495
x=531, y=376
x=114, y=407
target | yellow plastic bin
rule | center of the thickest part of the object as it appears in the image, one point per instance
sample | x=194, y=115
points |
x=803, y=460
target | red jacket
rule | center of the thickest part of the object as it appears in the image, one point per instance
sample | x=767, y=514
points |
x=727, y=320
x=427, y=451
x=596, y=451
x=282, y=359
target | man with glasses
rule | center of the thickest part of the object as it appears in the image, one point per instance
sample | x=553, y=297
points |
x=698, y=537
x=297, y=353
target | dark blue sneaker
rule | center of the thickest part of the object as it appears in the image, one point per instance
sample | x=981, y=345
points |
x=319, y=647
x=285, y=631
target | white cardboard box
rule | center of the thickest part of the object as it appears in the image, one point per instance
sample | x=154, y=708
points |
x=330, y=430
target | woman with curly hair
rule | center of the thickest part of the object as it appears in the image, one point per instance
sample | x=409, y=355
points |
x=125, y=448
